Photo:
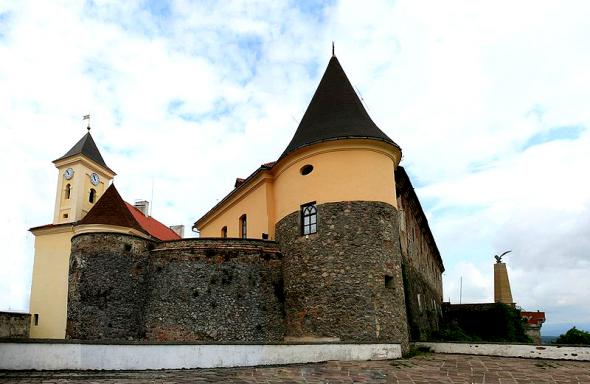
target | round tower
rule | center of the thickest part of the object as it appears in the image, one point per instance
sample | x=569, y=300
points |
x=337, y=222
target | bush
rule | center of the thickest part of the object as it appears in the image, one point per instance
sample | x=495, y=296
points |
x=574, y=336
x=493, y=323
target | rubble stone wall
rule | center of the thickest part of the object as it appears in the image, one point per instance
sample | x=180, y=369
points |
x=215, y=290
x=123, y=287
x=14, y=325
x=107, y=286
x=345, y=281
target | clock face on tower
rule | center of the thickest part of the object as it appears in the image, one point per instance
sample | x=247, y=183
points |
x=69, y=173
x=94, y=179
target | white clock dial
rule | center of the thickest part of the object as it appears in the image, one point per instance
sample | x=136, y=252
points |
x=69, y=173
x=94, y=179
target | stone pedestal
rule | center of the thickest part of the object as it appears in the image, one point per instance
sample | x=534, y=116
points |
x=502, y=293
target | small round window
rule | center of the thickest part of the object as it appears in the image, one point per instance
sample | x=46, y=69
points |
x=306, y=169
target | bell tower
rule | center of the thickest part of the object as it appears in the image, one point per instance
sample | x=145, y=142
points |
x=83, y=178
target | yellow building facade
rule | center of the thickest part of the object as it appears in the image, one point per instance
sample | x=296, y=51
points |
x=271, y=193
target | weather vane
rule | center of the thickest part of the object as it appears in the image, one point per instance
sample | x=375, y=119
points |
x=87, y=117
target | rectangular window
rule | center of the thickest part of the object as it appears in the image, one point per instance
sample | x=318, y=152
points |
x=243, y=226
x=309, y=219
x=419, y=302
x=224, y=232
x=388, y=281
x=36, y=319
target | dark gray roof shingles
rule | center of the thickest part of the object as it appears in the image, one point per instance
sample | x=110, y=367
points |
x=335, y=111
x=87, y=147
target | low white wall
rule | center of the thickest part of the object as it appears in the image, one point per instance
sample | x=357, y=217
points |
x=54, y=356
x=512, y=350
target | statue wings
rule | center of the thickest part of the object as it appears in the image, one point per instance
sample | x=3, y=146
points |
x=499, y=258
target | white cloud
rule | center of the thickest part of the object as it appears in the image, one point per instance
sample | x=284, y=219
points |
x=192, y=95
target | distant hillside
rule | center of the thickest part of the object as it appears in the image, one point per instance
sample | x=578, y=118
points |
x=548, y=339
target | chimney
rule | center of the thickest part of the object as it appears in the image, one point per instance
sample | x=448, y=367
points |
x=143, y=206
x=179, y=229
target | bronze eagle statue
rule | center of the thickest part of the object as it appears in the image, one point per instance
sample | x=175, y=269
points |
x=499, y=258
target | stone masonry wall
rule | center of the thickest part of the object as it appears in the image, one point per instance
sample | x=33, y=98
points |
x=14, y=325
x=422, y=303
x=345, y=281
x=422, y=264
x=216, y=290
x=107, y=286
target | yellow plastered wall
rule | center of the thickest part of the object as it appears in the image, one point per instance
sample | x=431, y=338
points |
x=253, y=202
x=49, y=290
x=344, y=170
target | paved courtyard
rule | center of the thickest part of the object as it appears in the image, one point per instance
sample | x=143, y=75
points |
x=431, y=368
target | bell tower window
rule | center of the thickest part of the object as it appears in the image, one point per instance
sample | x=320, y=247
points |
x=309, y=219
x=243, y=226
x=68, y=191
x=92, y=195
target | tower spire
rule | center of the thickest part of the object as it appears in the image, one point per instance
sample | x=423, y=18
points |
x=333, y=54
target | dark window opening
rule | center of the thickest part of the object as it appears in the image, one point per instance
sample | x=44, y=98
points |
x=388, y=281
x=309, y=219
x=92, y=195
x=224, y=232
x=68, y=191
x=243, y=227
x=306, y=169
x=265, y=236
x=65, y=215
x=36, y=319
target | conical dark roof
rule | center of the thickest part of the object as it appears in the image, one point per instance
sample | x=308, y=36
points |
x=87, y=147
x=111, y=209
x=335, y=112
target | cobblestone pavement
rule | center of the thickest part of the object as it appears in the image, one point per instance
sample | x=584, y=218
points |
x=431, y=368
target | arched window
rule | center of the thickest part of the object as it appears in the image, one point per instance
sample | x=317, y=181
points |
x=68, y=191
x=243, y=226
x=224, y=232
x=92, y=195
x=309, y=219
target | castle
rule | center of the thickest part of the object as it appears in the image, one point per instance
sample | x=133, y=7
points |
x=327, y=243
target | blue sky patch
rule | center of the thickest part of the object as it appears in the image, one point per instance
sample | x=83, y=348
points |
x=313, y=8
x=181, y=109
x=570, y=132
x=4, y=23
x=159, y=8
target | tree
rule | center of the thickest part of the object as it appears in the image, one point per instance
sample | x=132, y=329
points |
x=574, y=336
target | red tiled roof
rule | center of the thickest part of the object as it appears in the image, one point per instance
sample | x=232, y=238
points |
x=111, y=209
x=151, y=225
x=533, y=317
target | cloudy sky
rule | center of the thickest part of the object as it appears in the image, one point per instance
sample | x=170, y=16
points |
x=488, y=100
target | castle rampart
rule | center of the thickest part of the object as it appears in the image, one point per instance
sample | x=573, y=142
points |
x=124, y=287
